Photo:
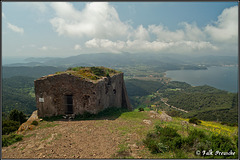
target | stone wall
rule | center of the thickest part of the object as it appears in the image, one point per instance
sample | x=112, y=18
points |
x=87, y=96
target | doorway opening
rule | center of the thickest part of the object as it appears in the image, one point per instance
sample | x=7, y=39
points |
x=69, y=104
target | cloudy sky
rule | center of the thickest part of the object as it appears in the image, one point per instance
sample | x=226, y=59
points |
x=64, y=29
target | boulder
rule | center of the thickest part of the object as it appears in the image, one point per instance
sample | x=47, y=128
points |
x=28, y=124
x=147, y=121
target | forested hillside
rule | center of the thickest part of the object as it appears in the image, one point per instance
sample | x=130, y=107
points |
x=18, y=93
x=203, y=102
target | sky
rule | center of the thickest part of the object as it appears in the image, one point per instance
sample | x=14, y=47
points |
x=62, y=29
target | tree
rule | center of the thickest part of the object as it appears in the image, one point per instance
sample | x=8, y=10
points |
x=18, y=116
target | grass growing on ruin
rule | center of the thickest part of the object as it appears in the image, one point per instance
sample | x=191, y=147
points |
x=92, y=73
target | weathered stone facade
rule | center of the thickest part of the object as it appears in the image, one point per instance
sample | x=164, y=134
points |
x=61, y=94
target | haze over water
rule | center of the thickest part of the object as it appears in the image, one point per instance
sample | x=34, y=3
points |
x=224, y=78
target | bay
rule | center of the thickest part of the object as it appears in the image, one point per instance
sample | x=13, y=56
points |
x=221, y=77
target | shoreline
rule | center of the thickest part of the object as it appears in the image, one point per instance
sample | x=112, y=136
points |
x=195, y=85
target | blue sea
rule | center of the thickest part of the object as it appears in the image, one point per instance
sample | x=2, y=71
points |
x=221, y=77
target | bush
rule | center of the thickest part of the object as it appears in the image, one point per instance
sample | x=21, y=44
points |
x=35, y=123
x=194, y=120
x=10, y=139
x=167, y=139
x=69, y=69
x=174, y=113
x=197, y=140
x=9, y=126
x=221, y=143
x=163, y=139
x=229, y=124
x=107, y=74
x=76, y=68
x=18, y=116
x=98, y=71
x=140, y=109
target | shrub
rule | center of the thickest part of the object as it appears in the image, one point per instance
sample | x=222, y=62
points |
x=77, y=68
x=174, y=113
x=197, y=140
x=98, y=71
x=107, y=74
x=94, y=78
x=152, y=143
x=140, y=109
x=10, y=139
x=35, y=123
x=69, y=69
x=194, y=120
x=18, y=116
x=229, y=124
x=9, y=126
x=163, y=139
x=221, y=143
x=167, y=139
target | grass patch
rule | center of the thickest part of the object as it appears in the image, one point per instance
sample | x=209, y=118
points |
x=48, y=124
x=22, y=148
x=92, y=73
x=123, y=148
x=8, y=140
x=135, y=116
x=123, y=151
x=30, y=135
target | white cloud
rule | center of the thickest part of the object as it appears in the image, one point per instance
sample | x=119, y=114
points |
x=192, y=32
x=141, y=33
x=99, y=23
x=96, y=20
x=163, y=34
x=226, y=28
x=15, y=28
x=137, y=46
x=77, y=47
x=44, y=48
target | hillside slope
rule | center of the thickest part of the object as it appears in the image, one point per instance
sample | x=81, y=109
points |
x=118, y=136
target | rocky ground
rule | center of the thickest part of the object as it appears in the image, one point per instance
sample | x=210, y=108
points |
x=117, y=138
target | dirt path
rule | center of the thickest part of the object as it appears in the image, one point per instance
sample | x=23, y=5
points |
x=175, y=107
x=62, y=141
x=74, y=139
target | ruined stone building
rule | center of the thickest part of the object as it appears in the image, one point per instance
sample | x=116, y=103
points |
x=79, y=90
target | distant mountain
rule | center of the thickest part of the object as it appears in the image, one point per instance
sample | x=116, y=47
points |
x=111, y=60
x=34, y=72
